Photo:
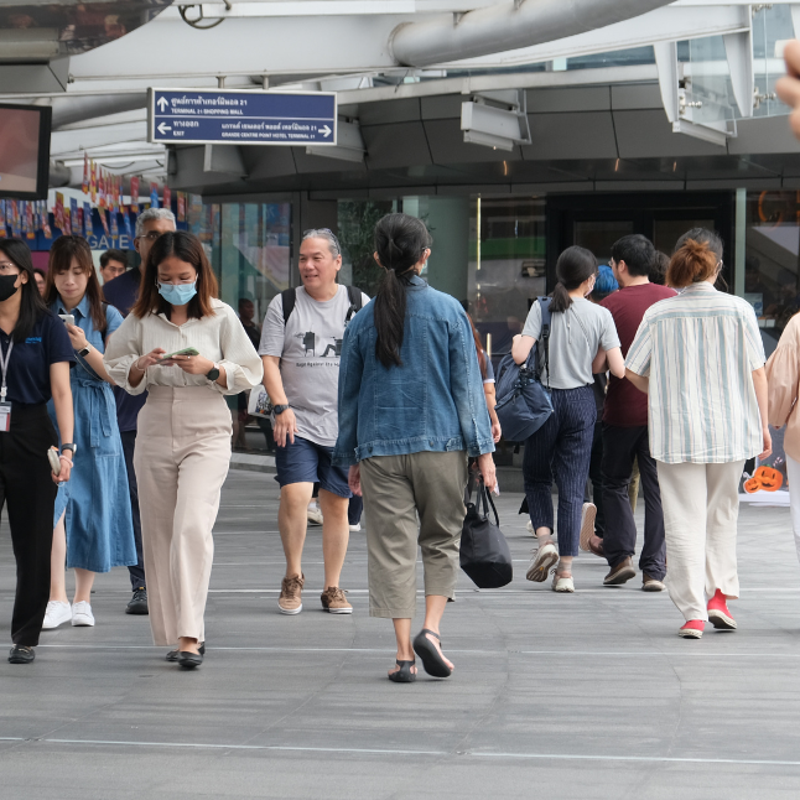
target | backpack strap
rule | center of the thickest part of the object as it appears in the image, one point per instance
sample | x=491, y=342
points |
x=544, y=336
x=354, y=296
x=288, y=297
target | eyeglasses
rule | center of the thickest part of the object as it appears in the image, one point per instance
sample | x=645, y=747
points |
x=151, y=237
x=7, y=266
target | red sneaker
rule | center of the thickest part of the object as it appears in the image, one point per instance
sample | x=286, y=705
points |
x=718, y=614
x=693, y=629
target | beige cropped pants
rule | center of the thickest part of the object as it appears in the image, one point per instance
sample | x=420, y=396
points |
x=183, y=451
x=701, y=511
x=397, y=489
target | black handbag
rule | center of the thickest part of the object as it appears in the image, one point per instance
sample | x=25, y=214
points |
x=485, y=555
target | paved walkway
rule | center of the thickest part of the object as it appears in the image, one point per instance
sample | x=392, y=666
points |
x=584, y=696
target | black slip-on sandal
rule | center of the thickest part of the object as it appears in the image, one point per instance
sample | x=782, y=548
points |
x=431, y=658
x=404, y=674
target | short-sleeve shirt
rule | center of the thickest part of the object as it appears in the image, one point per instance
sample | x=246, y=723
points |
x=309, y=347
x=699, y=351
x=28, y=376
x=625, y=405
x=575, y=337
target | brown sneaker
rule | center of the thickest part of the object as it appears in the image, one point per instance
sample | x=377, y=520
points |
x=620, y=574
x=291, y=601
x=333, y=600
x=650, y=584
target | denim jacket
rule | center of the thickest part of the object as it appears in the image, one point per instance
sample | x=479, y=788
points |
x=433, y=402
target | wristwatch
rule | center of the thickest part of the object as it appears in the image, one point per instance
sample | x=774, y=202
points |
x=213, y=373
x=69, y=446
x=279, y=409
x=83, y=352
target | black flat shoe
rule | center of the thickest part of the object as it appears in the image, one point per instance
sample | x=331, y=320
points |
x=430, y=656
x=173, y=654
x=404, y=673
x=20, y=654
x=188, y=660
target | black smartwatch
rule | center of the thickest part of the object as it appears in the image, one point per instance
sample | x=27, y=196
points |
x=279, y=409
x=213, y=373
x=83, y=352
x=69, y=446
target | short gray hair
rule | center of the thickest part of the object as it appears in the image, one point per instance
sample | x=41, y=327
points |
x=153, y=213
x=328, y=235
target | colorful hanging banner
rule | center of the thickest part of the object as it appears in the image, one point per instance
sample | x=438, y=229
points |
x=31, y=228
x=126, y=221
x=85, y=185
x=93, y=182
x=167, y=197
x=73, y=215
x=15, y=231
x=134, y=195
x=181, y=206
x=3, y=233
x=48, y=233
x=58, y=211
x=87, y=220
x=153, y=195
x=114, y=224
x=104, y=220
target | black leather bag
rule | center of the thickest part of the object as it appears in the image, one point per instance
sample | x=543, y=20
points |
x=485, y=555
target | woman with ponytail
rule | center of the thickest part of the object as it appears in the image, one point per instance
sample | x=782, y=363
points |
x=700, y=358
x=411, y=409
x=582, y=339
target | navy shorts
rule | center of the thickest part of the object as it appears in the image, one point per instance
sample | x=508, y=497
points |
x=308, y=462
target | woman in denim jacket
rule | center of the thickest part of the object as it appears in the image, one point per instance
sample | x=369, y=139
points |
x=411, y=408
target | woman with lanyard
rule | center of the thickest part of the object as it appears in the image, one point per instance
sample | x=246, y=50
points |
x=183, y=447
x=93, y=524
x=35, y=354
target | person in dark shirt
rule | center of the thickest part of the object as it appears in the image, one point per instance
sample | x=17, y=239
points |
x=625, y=433
x=123, y=292
x=35, y=356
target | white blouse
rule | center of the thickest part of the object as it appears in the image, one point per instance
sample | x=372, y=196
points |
x=219, y=337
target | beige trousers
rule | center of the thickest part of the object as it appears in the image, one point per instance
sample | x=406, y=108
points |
x=701, y=509
x=396, y=489
x=183, y=450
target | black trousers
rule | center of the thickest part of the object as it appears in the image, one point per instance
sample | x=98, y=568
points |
x=620, y=447
x=596, y=478
x=137, y=571
x=28, y=491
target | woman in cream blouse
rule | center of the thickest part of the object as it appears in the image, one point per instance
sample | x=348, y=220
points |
x=183, y=445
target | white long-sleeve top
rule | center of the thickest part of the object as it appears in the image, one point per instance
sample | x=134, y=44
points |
x=219, y=337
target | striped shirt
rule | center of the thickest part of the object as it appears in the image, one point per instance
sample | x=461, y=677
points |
x=699, y=351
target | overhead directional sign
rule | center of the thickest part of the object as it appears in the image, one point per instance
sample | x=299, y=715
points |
x=178, y=116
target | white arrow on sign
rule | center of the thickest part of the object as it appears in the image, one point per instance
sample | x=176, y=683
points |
x=162, y=103
x=163, y=128
x=326, y=131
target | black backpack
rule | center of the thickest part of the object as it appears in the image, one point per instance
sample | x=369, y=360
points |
x=288, y=297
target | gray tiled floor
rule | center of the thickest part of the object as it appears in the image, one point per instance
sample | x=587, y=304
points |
x=583, y=696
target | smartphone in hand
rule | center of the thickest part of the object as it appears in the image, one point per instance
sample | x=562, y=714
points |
x=67, y=319
x=187, y=351
x=55, y=461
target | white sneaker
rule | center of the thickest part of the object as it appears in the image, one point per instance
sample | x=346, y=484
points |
x=57, y=614
x=529, y=526
x=355, y=528
x=314, y=515
x=82, y=616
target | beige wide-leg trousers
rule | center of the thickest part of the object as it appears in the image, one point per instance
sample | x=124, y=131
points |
x=701, y=509
x=397, y=489
x=183, y=451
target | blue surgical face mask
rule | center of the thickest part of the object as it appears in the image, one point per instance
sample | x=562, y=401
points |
x=177, y=295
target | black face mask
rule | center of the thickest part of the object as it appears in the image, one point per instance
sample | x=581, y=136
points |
x=7, y=288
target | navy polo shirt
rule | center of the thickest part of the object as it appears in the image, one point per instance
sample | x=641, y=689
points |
x=122, y=293
x=28, y=375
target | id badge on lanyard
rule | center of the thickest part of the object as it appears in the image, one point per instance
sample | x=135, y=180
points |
x=5, y=406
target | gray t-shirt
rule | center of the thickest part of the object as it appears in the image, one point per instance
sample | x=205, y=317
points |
x=309, y=346
x=575, y=336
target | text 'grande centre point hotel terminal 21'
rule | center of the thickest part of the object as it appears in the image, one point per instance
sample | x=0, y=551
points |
x=242, y=117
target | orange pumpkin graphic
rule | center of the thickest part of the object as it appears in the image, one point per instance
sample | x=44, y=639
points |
x=767, y=479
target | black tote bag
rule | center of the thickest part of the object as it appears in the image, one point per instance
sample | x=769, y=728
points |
x=485, y=555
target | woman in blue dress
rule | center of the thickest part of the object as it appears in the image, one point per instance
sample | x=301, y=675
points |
x=92, y=521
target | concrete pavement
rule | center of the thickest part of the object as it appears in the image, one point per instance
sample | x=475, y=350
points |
x=590, y=695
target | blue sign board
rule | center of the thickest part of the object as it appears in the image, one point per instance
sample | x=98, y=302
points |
x=241, y=117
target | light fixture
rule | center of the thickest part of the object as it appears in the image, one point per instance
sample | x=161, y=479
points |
x=496, y=119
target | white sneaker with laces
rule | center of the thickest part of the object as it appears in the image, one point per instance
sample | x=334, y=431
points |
x=56, y=614
x=314, y=515
x=355, y=528
x=82, y=616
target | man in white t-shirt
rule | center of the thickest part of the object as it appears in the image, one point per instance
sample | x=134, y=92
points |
x=300, y=348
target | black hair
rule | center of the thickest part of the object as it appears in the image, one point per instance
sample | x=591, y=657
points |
x=573, y=267
x=114, y=255
x=636, y=251
x=658, y=270
x=400, y=242
x=31, y=307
